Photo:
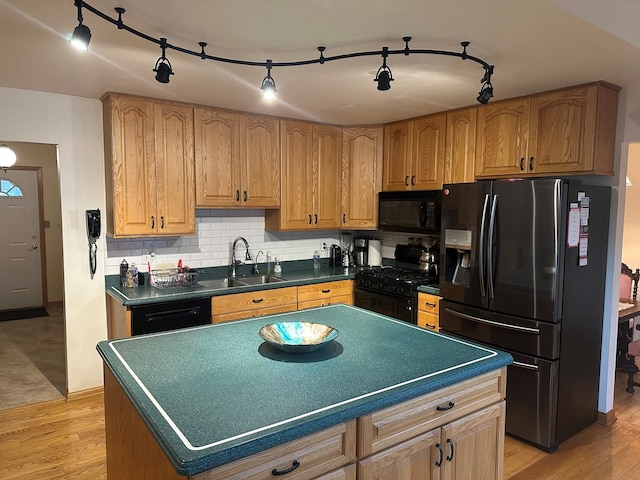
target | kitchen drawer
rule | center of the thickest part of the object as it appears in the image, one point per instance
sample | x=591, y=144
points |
x=318, y=455
x=429, y=320
x=321, y=302
x=325, y=290
x=428, y=303
x=390, y=426
x=240, y=302
x=226, y=317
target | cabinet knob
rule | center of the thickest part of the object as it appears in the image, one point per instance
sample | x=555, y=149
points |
x=258, y=300
x=162, y=221
x=316, y=218
x=406, y=180
x=237, y=195
x=293, y=466
x=344, y=218
x=522, y=164
x=413, y=179
x=153, y=222
x=531, y=163
x=245, y=195
x=309, y=219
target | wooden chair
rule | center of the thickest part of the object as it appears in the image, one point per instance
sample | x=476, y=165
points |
x=628, y=349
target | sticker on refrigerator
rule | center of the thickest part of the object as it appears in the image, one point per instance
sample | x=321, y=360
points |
x=573, y=225
x=584, y=230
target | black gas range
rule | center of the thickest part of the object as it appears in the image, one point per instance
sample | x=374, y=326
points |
x=392, y=290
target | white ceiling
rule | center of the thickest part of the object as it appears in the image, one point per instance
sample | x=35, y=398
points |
x=535, y=45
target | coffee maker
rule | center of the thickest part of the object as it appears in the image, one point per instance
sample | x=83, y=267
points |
x=360, y=251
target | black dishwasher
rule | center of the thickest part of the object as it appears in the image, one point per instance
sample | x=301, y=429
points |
x=160, y=317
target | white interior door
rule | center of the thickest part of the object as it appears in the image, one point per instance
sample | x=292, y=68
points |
x=20, y=258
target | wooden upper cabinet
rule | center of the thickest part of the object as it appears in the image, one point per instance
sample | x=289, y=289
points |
x=397, y=156
x=237, y=159
x=460, y=149
x=260, y=161
x=311, y=174
x=361, y=176
x=414, y=154
x=149, y=167
x=564, y=132
x=503, y=129
x=217, y=150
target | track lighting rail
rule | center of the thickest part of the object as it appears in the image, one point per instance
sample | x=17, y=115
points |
x=163, y=67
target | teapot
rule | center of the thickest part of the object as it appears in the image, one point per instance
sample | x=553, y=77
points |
x=428, y=263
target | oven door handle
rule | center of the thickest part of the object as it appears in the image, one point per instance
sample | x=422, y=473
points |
x=507, y=326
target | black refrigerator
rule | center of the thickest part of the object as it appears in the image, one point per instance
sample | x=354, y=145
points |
x=522, y=269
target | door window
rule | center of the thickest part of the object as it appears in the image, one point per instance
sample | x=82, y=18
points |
x=9, y=189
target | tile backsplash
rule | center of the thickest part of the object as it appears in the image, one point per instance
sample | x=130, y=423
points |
x=215, y=232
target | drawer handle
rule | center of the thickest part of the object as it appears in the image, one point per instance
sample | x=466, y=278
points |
x=257, y=300
x=439, y=461
x=432, y=305
x=449, y=406
x=450, y=443
x=293, y=466
x=326, y=290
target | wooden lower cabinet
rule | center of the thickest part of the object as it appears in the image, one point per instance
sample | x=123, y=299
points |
x=327, y=293
x=429, y=311
x=455, y=433
x=237, y=306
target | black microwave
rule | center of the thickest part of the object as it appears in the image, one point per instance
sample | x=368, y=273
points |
x=415, y=212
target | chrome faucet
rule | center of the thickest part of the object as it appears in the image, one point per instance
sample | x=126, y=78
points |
x=256, y=270
x=235, y=262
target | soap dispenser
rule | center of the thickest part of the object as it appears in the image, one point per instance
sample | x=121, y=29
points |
x=277, y=268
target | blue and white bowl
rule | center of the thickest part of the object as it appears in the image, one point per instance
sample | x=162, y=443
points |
x=298, y=337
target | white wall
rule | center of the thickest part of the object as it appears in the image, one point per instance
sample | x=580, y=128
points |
x=75, y=125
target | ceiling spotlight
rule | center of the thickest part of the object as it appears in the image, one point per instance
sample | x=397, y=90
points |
x=163, y=67
x=486, y=91
x=384, y=77
x=7, y=157
x=81, y=34
x=268, y=86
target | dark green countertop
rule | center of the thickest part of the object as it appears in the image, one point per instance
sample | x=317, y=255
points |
x=211, y=395
x=433, y=289
x=146, y=294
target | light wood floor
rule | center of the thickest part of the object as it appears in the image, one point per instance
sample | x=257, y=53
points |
x=65, y=440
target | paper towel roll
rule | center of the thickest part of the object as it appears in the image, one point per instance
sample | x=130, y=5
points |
x=374, y=257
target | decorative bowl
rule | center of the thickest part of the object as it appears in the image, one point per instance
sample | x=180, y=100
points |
x=298, y=337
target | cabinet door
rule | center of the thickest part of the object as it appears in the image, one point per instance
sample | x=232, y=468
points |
x=397, y=156
x=427, y=152
x=562, y=129
x=217, y=157
x=503, y=130
x=130, y=166
x=327, y=151
x=361, y=176
x=260, y=161
x=460, y=151
x=175, y=169
x=474, y=445
x=296, y=209
x=417, y=458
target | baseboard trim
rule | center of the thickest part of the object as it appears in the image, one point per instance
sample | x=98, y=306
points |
x=90, y=392
x=607, y=418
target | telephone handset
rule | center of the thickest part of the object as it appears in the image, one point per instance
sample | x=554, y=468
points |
x=93, y=233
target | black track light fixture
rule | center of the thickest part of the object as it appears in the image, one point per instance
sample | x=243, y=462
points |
x=384, y=77
x=163, y=67
x=81, y=34
x=486, y=91
x=268, y=86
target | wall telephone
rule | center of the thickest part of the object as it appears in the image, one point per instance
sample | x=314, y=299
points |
x=93, y=233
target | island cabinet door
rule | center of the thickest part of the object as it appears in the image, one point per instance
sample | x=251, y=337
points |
x=474, y=445
x=418, y=458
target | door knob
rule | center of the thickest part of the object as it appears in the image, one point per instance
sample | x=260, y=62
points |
x=34, y=246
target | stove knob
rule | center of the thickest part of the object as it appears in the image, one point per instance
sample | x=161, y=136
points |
x=392, y=288
x=401, y=290
x=368, y=282
x=380, y=285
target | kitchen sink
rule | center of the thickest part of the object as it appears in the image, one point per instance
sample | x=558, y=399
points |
x=259, y=280
x=239, y=281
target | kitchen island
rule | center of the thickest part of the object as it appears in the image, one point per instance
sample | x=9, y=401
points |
x=218, y=402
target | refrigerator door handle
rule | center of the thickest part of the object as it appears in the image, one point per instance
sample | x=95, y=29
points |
x=517, y=328
x=492, y=226
x=483, y=223
x=528, y=366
